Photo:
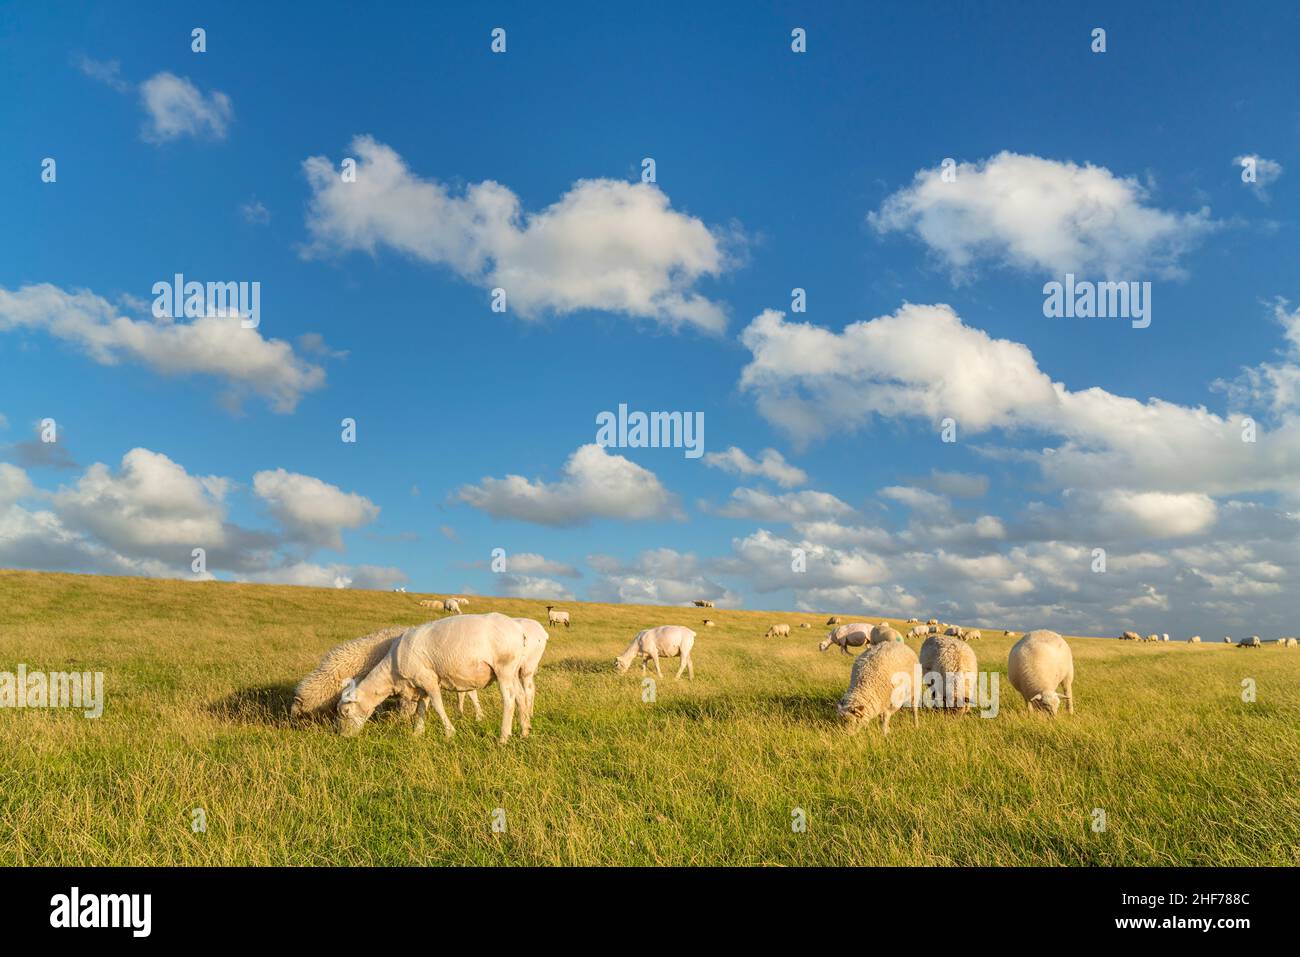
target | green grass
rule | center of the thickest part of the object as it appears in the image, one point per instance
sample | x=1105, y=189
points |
x=198, y=677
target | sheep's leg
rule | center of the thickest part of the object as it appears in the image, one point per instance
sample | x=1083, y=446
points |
x=690, y=667
x=525, y=705
x=417, y=722
x=433, y=692
x=460, y=702
x=507, y=706
x=884, y=723
x=681, y=668
x=658, y=671
x=1069, y=695
x=478, y=708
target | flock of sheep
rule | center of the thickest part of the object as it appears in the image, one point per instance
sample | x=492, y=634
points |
x=1251, y=642
x=466, y=653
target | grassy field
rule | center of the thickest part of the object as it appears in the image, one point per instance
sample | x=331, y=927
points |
x=198, y=677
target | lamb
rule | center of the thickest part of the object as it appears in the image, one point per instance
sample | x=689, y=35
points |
x=351, y=661
x=1251, y=642
x=883, y=680
x=702, y=603
x=668, y=641
x=554, y=617
x=883, y=632
x=1194, y=640
x=1037, y=664
x=778, y=631
x=834, y=620
x=463, y=653
x=845, y=635
x=955, y=660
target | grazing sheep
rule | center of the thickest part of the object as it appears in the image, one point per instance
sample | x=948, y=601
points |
x=351, y=661
x=1227, y=639
x=554, y=617
x=535, y=638
x=933, y=629
x=913, y=621
x=971, y=634
x=778, y=631
x=431, y=603
x=1164, y=636
x=708, y=623
x=856, y=635
x=667, y=641
x=920, y=631
x=1194, y=640
x=1251, y=642
x=834, y=620
x=1039, y=663
x=1153, y=638
x=451, y=605
x=1130, y=636
x=955, y=660
x=884, y=632
x=463, y=653
x=463, y=602
x=882, y=681
x=933, y=621
x=702, y=603
x=804, y=625
x=952, y=631
x=1292, y=642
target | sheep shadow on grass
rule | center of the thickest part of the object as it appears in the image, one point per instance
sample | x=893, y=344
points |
x=264, y=705
x=582, y=666
x=800, y=709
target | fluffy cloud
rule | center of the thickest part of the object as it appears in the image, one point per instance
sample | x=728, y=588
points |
x=217, y=346
x=1043, y=216
x=531, y=586
x=596, y=484
x=311, y=511
x=770, y=464
x=147, y=516
x=175, y=107
x=811, y=382
x=659, y=576
x=605, y=244
x=530, y=563
x=790, y=507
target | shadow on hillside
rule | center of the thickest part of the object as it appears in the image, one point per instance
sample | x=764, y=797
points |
x=582, y=666
x=264, y=705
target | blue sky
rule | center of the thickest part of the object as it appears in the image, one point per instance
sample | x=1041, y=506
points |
x=774, y=170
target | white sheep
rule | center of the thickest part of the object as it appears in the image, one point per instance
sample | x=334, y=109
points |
x=856, y=635
x=913, y=621
x=1194, y=640
x=462, y=653
x=933, y=621
x=834, y=620
x=702, y=603
x=884, y=632
x=709, y=623
x=954, y=660
x=431, y=603
x=804, y=624
x=882, y=681
x=535, y=638
x=920, y=631
x=1227, y=639
x=554, y=617
x=451, y=605
x=666, y=641
x=1164, y=636
x=351, y=661
x=1251, y=642
x=952, y=631
x=1130, y=636
x=1039, y=663
x=970, y=634
x=778, y=631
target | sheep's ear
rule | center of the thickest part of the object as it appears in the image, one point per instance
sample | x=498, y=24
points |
x=1037, y=697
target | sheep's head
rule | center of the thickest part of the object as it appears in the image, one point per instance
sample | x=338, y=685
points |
x=349, y=718
x=622, y=664
x=823, y=645
x=1048, y=701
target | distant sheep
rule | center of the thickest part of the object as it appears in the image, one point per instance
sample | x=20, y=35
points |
x=881, y=682
x=319, y=692
x=971, y=634
x=1194, y=640
x=855, y=635
x=463, y=653
x=1164, y=637
x=834, y=620
x=933, y=621
x=884, y=632
x=954, y=659
x=804, y=625
x=431, y=603
x=913, y=621
x=451, y=605
x=666, y=641
x=778, y=631
x=920, y=631
x=952, y=631
x=702, y=603
x=709, y=623
x=1037, y=665
x=554, y=617
x=1130, y=636
x=1251, y=642
x=1227, y=639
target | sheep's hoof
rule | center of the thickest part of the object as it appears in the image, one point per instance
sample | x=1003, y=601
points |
x=502, y=740
x=448, y=732
x=417, y=730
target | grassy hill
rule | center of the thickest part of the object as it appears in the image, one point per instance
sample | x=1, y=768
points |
x=198, y=677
